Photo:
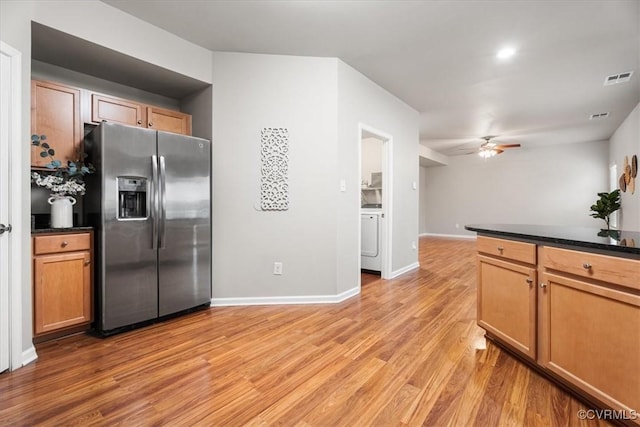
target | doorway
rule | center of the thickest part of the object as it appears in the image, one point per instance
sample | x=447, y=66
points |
x=374, y=171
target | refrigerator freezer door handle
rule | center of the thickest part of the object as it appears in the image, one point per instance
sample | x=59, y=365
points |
x=163, y=202
x=154, y=193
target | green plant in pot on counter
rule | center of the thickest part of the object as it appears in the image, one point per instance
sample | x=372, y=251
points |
x=605, y=206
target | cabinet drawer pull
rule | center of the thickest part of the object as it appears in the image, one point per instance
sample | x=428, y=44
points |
x=64, y=244
x=150, y=123
x=500, y=248
x=586, y=266
x=529, y=280
x=543, y=285
x=139, y=122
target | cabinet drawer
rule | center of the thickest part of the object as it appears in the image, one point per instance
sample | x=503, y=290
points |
x=56, y=243
x=508, y=249
x=619, y=271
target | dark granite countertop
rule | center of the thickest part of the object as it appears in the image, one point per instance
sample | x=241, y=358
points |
x=622, y=242
x=60, y=230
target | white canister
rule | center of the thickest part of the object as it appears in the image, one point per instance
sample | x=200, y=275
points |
x=61, y=211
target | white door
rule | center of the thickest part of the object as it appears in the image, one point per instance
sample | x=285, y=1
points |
x=5, y=92
x=11, y=354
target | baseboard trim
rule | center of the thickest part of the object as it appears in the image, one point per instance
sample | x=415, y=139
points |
x=29, y=355
x=285, y=300
x=405, y=269
x=448, y=236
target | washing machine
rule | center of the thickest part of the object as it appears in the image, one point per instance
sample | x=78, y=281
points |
x=370, y=241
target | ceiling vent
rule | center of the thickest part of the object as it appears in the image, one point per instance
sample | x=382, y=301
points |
x=618, y=78
x=599, y=116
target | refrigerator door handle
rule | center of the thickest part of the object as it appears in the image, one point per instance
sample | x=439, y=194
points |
x=154, y=194
x=163, y=203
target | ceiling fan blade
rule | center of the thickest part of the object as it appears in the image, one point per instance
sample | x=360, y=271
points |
x=507, y=146
x=498, y=151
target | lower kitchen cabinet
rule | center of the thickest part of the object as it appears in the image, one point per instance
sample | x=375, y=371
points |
x=62, y=283
x=580, y=324
x=507, y=302
x=590, y=334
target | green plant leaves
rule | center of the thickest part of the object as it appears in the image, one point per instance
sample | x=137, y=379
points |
x=72, y=168
x=606, y=205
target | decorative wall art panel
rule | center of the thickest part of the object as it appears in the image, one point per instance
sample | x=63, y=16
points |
x=274, y=185
x=627, y=181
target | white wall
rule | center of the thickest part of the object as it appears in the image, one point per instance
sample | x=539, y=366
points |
x=101, y=24
x=552, y=185
x=371, y=158
x=252, y=92
x=362, y=101
x=422, y=202
x=626, y=142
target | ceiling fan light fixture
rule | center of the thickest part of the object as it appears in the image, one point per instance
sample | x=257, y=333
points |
x=505, y=53
x=485, y=153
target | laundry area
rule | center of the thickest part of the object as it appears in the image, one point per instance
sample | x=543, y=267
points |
x=372, y=212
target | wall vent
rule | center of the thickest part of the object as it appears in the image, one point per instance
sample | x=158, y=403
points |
x=599, y=116
x=618, y=78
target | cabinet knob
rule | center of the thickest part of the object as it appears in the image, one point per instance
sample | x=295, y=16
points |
x=139, y=122
x=64, y=244
x=529, y=280
x=586, y=266
x=543, y=285
x=150, y=123
x=500, y=248
x=87, y=262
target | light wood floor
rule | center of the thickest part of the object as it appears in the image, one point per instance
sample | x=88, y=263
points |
x=405, y=352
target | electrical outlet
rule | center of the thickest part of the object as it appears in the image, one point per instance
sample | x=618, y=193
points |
x=277, y=268
x=457, y=225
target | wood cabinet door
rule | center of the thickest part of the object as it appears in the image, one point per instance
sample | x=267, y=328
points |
x=168, y=121
x=62, y=291
x=507, y=303
x=591, y=338
x=55, y=112
x=106, y=108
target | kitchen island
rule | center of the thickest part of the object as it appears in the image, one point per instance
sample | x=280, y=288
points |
x=566, y=300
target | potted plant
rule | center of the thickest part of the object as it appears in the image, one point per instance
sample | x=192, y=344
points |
x=607, y=204
x=63, y=181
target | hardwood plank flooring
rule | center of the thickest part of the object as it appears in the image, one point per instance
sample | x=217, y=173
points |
x=404, y=352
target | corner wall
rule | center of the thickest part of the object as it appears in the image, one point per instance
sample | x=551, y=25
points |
x=252, y=92
x=626, y=142
x=360, y=101
x=552, y=185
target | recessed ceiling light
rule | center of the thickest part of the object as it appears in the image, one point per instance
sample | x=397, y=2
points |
x=505, y=53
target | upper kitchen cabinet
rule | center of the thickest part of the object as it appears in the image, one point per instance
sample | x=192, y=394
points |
x=127, y=112
x=55, y=112
x=110, y=109
x=169, y=121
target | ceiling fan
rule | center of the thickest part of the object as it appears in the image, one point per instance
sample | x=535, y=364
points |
x=490, y=149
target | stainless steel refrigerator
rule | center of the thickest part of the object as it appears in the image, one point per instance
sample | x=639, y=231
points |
x=150, y=201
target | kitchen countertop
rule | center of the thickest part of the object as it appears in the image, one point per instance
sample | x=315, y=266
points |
x=60, y=230
x=626, y=242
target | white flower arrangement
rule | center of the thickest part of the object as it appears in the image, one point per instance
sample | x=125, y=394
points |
x=64, y=180
x=58, y=186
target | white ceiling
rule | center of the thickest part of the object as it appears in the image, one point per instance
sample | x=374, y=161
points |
x=439, y=57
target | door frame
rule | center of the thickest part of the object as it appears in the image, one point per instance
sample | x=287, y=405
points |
x=387, y=197
x=11, y=139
